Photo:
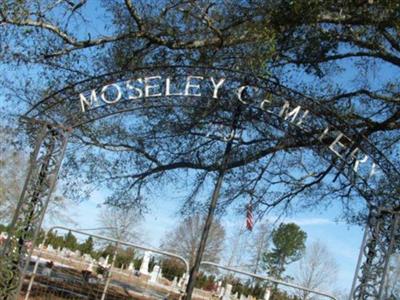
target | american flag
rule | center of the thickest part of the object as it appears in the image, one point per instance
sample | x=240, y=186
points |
x=249, y=217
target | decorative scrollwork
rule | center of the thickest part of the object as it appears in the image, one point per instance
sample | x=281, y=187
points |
x=44, y=166
x=381, y=240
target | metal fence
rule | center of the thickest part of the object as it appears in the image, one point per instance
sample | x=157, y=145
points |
x=62, y=274
x=269, y=280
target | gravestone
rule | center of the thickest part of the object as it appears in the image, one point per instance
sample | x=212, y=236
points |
x=221, y=292
x=131, y=267
x=104, y=261
x=175, y=282
x=87, y=257
x=63, y=252
x=228, y=292
x=267, y=294
x=219, y=285
x=144, y=267
x=154, y=274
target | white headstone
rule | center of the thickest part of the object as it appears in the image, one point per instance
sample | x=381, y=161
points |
x=267, y=294
x=175, y=282
x=87, y=257
x=180, y=282
x=183, y=281
x=154, y=274
x=131, y=267
x=144, y=267
x=63, y=252
x=228, y=292
x=219, y=285
x=242, y=297
x=104, y=261
x=221, y=292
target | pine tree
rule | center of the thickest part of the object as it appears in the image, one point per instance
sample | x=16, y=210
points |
x=87, y=246
x=289, y=245
x=70, y=241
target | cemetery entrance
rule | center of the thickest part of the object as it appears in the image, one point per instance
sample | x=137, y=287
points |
x=162, y=90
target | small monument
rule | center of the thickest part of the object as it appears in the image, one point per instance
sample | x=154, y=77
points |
x=154, y=274
x=267, y=294
x=87, y=258
x=219, y=286
x=144, y=267
x=175, y=282
x=131, y=267
x=104, y=261
x=221, y=293
x=183, y=281
x=228, y=292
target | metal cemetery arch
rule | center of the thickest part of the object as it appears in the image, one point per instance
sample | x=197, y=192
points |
x=61, y=112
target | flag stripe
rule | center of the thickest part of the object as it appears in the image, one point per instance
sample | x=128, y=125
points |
x=249, y=218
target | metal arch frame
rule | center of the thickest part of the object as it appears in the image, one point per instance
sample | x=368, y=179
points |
x=33, y=190
x=381, y=238
x=43, y=170
x=267, y=278
x=323, y=112
x=117, y=243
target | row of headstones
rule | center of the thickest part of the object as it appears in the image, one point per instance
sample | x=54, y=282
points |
x=155, y=274
x=61, y=251
x=225, y=293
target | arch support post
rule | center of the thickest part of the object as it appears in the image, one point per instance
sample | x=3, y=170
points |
x=381, y=241
x=45, y=162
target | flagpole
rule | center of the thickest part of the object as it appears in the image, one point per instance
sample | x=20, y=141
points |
x=213, y=205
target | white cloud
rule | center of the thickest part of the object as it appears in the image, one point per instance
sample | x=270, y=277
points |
x=310, y=221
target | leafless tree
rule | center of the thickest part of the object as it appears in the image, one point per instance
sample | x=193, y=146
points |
x=245, y=248
x=316, y=270
x=261, y=241
x=121, y=224
x=185, y=238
